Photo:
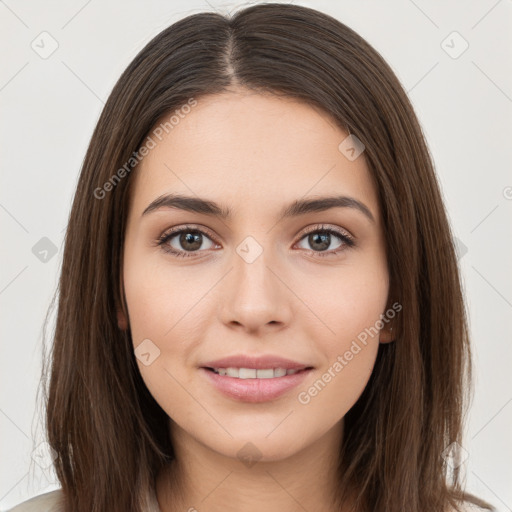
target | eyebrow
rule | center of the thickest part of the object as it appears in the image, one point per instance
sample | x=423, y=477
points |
x=298, y=207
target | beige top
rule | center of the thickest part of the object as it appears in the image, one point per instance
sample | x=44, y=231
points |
x=52, y=502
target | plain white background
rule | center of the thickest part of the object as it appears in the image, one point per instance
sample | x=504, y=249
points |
x=50, y=104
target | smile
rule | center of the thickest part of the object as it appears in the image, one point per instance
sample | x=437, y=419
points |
x=254, y=373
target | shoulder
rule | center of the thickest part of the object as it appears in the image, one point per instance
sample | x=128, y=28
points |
x=49, y=502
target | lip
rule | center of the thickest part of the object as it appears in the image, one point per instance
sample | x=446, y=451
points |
x=260, y=362
x=255, y=390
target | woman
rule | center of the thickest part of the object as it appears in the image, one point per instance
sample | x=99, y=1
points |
x=260, y=305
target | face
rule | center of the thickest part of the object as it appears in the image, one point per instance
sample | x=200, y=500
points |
x=306, y=287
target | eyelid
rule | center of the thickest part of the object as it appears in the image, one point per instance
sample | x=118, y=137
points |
x=305, y=231
x=326, y=227
x=189, y=227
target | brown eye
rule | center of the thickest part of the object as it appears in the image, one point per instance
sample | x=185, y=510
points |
x=185, y=240
x=320, y=240
x=190, y=241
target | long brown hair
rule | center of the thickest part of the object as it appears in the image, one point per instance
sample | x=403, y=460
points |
x=110, y=436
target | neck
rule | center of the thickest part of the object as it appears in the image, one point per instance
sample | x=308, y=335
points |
x=203, y=479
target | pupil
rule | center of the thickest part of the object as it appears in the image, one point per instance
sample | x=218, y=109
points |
x=194, y=239
x=322, y=239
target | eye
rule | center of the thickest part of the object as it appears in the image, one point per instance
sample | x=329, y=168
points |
x=187, y=240
x=320, y=238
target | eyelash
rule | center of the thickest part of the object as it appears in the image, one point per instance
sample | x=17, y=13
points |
x=163, y=240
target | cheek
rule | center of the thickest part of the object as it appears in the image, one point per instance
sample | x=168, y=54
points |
x=167, y=313
x=349, y=352
x=345, y=301
x=162, y=323
x=348, y=308
x=161, y=299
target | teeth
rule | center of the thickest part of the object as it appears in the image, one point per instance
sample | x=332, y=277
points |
x=253, y=373
x=246, y=373
x=232, y=372
x=263, y=374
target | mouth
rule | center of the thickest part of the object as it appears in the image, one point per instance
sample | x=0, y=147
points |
x=256, y=373
x=253, y=385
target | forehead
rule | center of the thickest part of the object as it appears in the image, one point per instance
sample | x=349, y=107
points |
x=245, y=149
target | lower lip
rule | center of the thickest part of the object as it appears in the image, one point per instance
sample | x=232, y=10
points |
x=255, y=390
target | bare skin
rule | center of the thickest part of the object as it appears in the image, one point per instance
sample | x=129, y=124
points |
x=255, y=154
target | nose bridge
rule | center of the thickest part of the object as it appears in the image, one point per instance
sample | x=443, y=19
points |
x=253, y=262
x=257, y=295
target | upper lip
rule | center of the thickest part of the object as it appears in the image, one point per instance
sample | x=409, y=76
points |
x=260, y=362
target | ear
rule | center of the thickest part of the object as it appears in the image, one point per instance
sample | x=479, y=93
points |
x=386, y=334
x=122, y=321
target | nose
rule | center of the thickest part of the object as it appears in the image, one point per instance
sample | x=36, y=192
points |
x=255, y=295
